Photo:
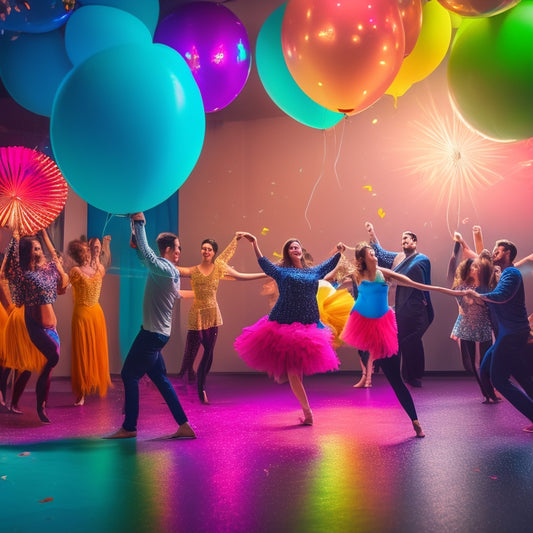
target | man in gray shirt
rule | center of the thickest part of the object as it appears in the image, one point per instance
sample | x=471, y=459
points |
x=161, y=290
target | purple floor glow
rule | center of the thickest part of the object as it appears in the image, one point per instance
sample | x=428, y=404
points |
x=253, y=468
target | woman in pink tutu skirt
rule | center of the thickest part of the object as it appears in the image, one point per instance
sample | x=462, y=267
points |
x=290, y=342
x=372, y=323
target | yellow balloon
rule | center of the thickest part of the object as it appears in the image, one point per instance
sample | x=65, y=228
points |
x=429, y=51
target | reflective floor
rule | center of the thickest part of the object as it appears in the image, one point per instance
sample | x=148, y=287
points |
x=253, y=468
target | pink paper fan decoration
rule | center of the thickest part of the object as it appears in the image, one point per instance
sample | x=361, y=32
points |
x=32, y=189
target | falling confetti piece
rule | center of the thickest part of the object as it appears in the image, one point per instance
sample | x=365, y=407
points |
x=278, y=256
x=493, y=477
x=375, y=121
x=381, y=213
x=4, y=477
x=46, y=500
x=466, y=220
x=477, y=470
x=23, y=454
x=368, y=187
x=264, y=231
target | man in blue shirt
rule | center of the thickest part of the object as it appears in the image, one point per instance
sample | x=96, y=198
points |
x=161, y=290
x=505, y=358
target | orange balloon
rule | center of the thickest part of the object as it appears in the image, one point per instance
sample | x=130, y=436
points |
x=343, y=55
x=411, y=12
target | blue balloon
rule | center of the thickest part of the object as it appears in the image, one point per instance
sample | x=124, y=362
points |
x=38, y=16
x=92, y=29
x=278, y=82
x=32, y=67
x=145, y=10
x=128, y=126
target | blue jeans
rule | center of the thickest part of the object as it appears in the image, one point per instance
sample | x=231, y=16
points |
x=505, y=359
x=143, y=358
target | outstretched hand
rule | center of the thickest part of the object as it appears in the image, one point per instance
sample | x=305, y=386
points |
x=138, y=216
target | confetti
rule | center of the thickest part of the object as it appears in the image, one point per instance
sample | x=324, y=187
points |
x=368, y=187
x=46, y=500
x=4, y=477
x=23, y=454
x=264, y=231
x=466, y=220
x=278, y=256
x=493, y=477
x=375, y=121
x=381, y=213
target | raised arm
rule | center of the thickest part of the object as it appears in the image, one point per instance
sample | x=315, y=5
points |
x=372, y=237
x=251, y=238
x=243, y=276
x=106, y=252
x=404, y=280
x=55, y=258
x=478, y=239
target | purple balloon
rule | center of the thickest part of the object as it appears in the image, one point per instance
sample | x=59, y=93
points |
x=215, y=45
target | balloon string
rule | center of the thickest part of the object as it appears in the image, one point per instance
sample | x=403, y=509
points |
x=108, y=218
x=317, y=181
x=339, y=153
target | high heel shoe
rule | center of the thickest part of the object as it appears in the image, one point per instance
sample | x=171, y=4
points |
x=41, y=412
x=80, y=401
x=418, y=429
x=308, y=418
x=365, y=382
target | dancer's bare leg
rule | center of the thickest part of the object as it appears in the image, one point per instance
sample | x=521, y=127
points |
x=297, y=387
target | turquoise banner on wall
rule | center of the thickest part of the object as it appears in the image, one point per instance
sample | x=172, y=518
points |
x=124, y=261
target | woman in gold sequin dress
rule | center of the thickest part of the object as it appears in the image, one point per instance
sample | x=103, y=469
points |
x=204, y=315
x=90, y=360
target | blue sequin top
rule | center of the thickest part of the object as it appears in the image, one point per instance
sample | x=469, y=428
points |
x=372, y=297
x=297, y=290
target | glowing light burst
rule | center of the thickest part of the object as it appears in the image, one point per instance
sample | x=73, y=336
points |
x=453, y=161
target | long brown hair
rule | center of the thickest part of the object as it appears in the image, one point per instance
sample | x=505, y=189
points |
x=286, y=261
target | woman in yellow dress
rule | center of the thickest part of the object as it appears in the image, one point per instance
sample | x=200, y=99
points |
x=204, y=315
x=90, y=360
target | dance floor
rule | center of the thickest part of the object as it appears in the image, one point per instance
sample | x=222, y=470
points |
x=254, y=469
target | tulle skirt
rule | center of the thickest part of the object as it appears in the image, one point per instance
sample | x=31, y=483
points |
x=379, y=336
x=90, y=359
x=19, y=352
x=3, y=321
x=334, y=307
x=283, y=349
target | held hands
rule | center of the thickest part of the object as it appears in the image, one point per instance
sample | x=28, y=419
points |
x=248, y=236
x=341, y=247
x=138, y=216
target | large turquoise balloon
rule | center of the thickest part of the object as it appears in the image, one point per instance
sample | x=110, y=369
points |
x=490, y=73
x=32, y=66
x=92, y=29
x=145, y=10
x=128, y=126
x=278, y=82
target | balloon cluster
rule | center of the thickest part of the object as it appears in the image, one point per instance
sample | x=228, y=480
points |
x=321, y=59
x=127, y=113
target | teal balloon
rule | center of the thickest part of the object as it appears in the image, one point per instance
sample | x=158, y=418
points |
x=32, y=67
x=490, y=73
x=92, y=29
x=127, y=127
x=145, y=10
x=278, y=82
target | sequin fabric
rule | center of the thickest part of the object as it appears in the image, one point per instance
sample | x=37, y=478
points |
x=297, y=290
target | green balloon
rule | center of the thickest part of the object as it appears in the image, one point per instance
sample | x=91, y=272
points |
x=490, y=73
